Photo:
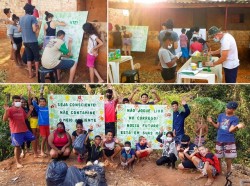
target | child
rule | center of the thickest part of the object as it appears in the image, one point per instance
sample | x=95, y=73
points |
x=143, y=148
x=94, y=44
x=207, y=163
x=126, y=41
x=169, y=153
x=183, y=44
x=127, y=156
x=111, y=146
x=95, y=151
x=227, y=124
x=43, y=122
x=201, y=130
x=196, y=46
x=16, y=40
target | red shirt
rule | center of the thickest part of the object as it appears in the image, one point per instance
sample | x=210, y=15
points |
x=60, y=141
x=110, y=115
x=196, y=46
x=17, y=118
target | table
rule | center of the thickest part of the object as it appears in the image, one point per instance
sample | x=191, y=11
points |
x=115, y=68
x=209, y=76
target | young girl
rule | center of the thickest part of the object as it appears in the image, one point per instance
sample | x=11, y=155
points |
x=16, y=40
x=94, y=44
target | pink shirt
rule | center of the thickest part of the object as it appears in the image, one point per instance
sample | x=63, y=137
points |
x=183, y=40
x=17, y=118
x=110, y=115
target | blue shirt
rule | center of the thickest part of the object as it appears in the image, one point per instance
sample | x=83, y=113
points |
x=26, y=23
x=225, y=122
x=43, y=114
x=178, y=120
x=131, y=152
x=141, y=147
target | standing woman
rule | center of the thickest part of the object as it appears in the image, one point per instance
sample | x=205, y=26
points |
x=126, y=41
x=16, y=40
x=117, y=37
x=50, y=26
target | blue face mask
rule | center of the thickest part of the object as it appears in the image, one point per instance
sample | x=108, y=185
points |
x=216, y=39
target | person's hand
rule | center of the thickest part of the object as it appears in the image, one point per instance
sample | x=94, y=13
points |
x=186, y=150
x=178, y=148
x=29, y=88
x=117, y=140
x=209, y=64
x=14, y=46
x=241, y=125
x=104, y=138
x=6, y=107
x=183, y=102
x=178, y=55
x=31, y=107
x=153, y=91
x=63, y=149
x=161, y=145
x=136, y=90
x=59, y=151
x=209, y=119
x=91, y=127
x=161, y=129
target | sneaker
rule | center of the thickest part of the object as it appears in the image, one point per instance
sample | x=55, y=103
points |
x=80, y=158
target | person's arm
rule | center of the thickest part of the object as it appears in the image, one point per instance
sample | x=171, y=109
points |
x=100, y=43
x=50, y=141
x=167, y=58
x=31, y=108
x=214, y=52
x=132, y=95
x=68, y=144
x=87, y=137
x=73, y=138
x=6, y=112
x=35, y=105
x=115, y=95
x=131, y=159
x=216, y=125
x=159, y=137
x=157, y=98
x=191, y=155
x=236, y=127
x=60, y=23
x=35, y=27
x=186, y=108
x=45, y=29
x=176, y=45
x=224, y=55
x=29, y=96
x=66, y=51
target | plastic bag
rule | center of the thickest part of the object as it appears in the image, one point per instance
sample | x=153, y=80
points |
x=78, y=144
x=73, y=177
x=99, y=179
x=56, y=173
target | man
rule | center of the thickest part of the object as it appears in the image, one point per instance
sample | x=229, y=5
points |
x=29, y=27
x=228, y=51
x=53, y=52
x=18, y=128
x=110, y=106
x=227, y=124
x=179, y=119
x=144, y=98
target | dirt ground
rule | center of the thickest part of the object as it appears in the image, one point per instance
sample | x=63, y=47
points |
x=144, y=174
x=150, y=73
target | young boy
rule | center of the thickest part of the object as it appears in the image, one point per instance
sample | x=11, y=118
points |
x=127, y=156
x=43, y=122
x=18, y=128
x=95, y=151
x=143, y=148
x=227, y=124
x=144, y=98
x=207, y=163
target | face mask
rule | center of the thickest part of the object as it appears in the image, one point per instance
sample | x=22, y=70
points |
x=170, y=46
x=216, y=39
x=169, y=138
x=60, y=130
x=127, y=148
x=109, y=96
x=17, y=104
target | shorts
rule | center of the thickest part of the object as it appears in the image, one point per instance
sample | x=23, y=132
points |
x=144, y=154
x=226, y=149
x=90, y=60
x=168, y=73
x=126, y=156
x=32, y=50
x=44, y=131
x=17, y=139
x=34, y=123
x=108, y=152
x=126, y=41
x=184, y=51
x=188, y=164
x=65, y=64
x=201, y=166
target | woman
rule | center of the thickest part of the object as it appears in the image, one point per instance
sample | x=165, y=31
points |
x=8, y=22
x=117, y=36
x=50, y=26
x=60, y=142
x=167, y=59
x=169, y=152
x=126, y=41
x=16, y=40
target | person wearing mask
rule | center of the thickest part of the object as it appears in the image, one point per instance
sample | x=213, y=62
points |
x=228, y=51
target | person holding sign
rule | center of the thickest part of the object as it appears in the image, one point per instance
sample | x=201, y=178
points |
x=144, y=98
x=227, y=124
x=179, y=119
x=143, y=148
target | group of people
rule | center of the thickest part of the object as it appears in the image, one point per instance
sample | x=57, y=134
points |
x=190, y=42
x=53, y=53
x=175, y=145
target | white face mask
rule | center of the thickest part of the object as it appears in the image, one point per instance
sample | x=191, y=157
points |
x=170, y=46
x=127, y=148
x=17, y=104
x=169, y=139
x=216, y=39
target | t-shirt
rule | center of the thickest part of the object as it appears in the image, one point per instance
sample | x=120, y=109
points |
x=14, y=32
x=225, y=122
x=92, y=43
x=138, y=146
x=52, y=53
x=148, y=103
x=131, y=152
x=196, y=46
x=110, y=115
x=174, y=36
x=76, y=135
x=183, y=41
x=165, y=56
x=43, y=114
x=26, y=23
x=94, y=153
x=109, y=145
x=17, y=118
x=228, y=43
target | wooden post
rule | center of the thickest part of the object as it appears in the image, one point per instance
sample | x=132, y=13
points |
x=199, y=142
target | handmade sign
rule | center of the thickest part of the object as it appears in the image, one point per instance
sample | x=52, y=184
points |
x=69, y=108
x=134, y=121
x=73, y=29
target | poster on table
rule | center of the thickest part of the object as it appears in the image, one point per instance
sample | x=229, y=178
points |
x=134, y=121
x=69, y=108
x=139, y=37
x=73, y=29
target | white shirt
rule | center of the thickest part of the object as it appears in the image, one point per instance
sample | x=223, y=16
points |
x=228, y=43
x=92, y=43
x=165, y=57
